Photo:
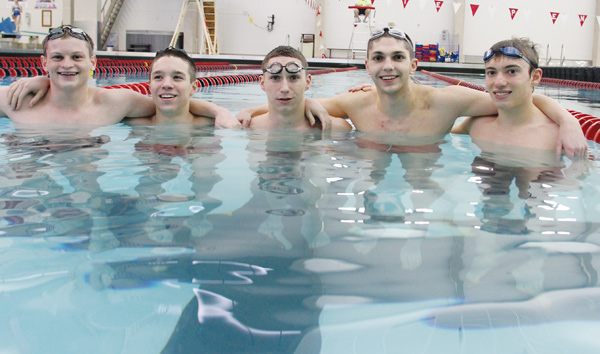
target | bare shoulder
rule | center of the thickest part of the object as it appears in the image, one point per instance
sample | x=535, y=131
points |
x=340, y=124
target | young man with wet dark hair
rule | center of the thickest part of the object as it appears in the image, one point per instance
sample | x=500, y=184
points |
x=284, y=80
x=511, y=73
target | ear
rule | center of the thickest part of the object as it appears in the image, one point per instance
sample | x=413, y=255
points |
x=44, y=62
x=308, y=81
x=536, y=77
x=194, y=87
x=94, y=61
x=367, y=64
x=414, y=63
x=261, y=79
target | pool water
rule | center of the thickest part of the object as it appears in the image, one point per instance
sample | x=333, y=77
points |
x=141, y=239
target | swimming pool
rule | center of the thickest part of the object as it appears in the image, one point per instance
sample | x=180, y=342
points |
x=142, y=240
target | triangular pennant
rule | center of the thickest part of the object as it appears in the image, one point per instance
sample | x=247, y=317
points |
x=405, y=2
x=389, y=2
x=564, y=18
x=554, y=16
x=513, y=12
x=422, y=4
x=527, y=13
x=474, y=8
x=492, y=11
x=456, y=6
x=582, y=19
x=438, y=5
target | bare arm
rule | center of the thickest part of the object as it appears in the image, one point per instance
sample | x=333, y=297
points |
x=570, y=135
x=223, y=117
x=463, y=127
x=19, y=90
x=246, y=114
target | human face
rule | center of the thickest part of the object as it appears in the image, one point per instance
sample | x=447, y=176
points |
x=285, y=91
x=389, y=64
x=509, y=82
x=171, y=85
x=68, y=62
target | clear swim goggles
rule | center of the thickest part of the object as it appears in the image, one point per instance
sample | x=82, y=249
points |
x=290, y=67
x=393, y=32
x=74, y=32
x=510, y=52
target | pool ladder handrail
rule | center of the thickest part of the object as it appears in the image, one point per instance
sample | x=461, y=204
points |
x=549, y=55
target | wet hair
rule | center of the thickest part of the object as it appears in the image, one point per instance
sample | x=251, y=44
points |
x=177, y=53
x=284, y=51
x=524, y=45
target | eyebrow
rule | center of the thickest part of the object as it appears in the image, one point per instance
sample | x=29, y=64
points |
x=177, y=72
x=510, y=66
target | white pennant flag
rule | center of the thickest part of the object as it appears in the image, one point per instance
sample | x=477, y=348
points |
x=422, y=3
x=456, y=6
x=492, y=11
x=389, y=2
x=527, y=13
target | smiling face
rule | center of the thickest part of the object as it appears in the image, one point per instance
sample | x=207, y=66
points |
x=285, y=91
x=171, y=85
x=509, y=82
x=389, y=63
x=68, y=62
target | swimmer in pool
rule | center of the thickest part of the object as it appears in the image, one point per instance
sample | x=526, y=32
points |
x=172, y=85
x=511, y=73
x=284, y=80
x=68, y=58
x=399, y=105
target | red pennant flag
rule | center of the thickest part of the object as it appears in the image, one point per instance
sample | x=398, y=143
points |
x=323, y=56
x=405, y=2
x=582, y=19
x=474, y=9
x=513, y=12
x=438, y=5
x=554, y=16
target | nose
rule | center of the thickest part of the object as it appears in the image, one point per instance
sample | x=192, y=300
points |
x=387, y=64
x=285, y=85
x=500, y=80
x=167, y=83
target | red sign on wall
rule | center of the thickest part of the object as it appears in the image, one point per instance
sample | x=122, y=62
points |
x=554, y=16
x=438, y=5
x=582, y=19
x=513, y=12
x=405, y=2
x=474, y=9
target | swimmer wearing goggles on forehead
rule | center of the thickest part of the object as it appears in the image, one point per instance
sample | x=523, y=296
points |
x=75, y=32
x=277, y=68
x=510, y=52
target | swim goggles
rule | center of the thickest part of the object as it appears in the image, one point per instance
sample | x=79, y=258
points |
x=75, y=32
x=290, y=67
x=393, y=32
x=510, y=52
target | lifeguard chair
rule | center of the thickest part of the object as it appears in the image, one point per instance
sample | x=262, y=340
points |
x=360, y=34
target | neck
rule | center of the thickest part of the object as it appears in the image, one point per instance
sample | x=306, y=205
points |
x=294, y=119
x=520, y=114
x=397, y=103
x=68, y=99
x=183, y=116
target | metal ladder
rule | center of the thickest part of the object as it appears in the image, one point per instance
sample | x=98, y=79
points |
x=359, y=40
x=208, y=18
x=109, y=14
